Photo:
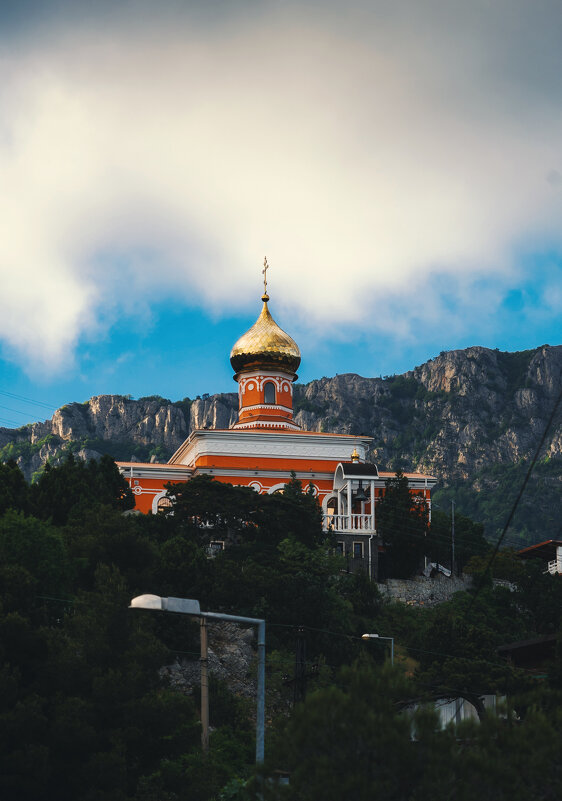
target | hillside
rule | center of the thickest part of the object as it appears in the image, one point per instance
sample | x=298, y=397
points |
x=471, y=417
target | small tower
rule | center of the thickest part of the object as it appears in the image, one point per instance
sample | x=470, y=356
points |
x=265, y=360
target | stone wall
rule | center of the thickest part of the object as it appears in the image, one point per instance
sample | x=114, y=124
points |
x=424, y=591
x=231, y=658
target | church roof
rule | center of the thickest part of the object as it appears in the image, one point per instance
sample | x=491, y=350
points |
x=265, y=344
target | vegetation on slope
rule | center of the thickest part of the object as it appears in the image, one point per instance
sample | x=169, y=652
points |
x=84, y=713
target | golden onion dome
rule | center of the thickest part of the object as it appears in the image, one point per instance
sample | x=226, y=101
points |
x=265, y=345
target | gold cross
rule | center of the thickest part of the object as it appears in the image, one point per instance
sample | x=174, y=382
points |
x=264, y=273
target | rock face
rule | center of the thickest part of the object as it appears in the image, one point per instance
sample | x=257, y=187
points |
x=456, y=416
x=147, y=429
x=230, y=658
x=451, y=416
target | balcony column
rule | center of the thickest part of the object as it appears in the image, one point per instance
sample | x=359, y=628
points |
x=559, y=558
x=349, y=505
x=372, y=505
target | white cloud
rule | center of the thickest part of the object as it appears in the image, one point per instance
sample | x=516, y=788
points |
x=363, y=153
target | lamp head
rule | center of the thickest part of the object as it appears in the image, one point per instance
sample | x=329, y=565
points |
x=147, y=602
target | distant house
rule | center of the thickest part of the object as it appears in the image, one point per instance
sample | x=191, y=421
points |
x=550, y=551
x=532, y=655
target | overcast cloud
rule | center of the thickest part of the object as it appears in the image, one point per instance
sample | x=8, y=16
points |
x=382, y=153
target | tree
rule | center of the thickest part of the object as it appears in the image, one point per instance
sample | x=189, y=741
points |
x=14, y=491
x=403, y=524
x=37, y=547
x=368, y=738
x=74, y=486
x=469, y=539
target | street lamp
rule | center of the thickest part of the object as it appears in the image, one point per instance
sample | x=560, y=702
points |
x=188, y=606
x=378, y=637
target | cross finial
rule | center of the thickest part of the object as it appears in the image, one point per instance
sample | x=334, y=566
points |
x=264, y=273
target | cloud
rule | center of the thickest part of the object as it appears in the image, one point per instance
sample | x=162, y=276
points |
x=150, y=156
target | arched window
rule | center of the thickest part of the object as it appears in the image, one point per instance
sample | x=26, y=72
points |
x=269, y=392
x=164, y=504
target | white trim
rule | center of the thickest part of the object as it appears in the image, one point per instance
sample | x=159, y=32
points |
x=329, y=496
x=284, y=424
x=276, y=487
x=362, y=544
x=155, y=501
x=265, y=406
x=248, y=472
x=159, y=471
x=268, y=444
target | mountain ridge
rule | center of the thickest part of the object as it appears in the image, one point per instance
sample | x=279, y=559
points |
x=459, y=416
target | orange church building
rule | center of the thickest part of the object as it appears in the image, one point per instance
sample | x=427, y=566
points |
x=266, y=444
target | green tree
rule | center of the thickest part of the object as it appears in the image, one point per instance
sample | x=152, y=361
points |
x=469, y=539
x=14, y=491
x=76, y=485
x=369, y=738
x=37, y=547
x=403, y=524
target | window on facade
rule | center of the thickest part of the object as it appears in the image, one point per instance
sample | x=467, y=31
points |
x=163, y=504
x=331, y=507
x=358, y=550
x=269, y=392
x=340, y=549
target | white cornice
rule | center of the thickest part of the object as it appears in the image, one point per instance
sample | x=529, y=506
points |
x=275, y=475
x=266, y=406
x=269, y=444
x=162, y=472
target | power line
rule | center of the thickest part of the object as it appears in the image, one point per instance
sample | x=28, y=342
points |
x=10, y=422
x=518, y=498
x=17, y=411
x=27, y=400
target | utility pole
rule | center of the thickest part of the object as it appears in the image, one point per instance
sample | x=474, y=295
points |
x=299, y=687
x=204, y=687
x=453, y=538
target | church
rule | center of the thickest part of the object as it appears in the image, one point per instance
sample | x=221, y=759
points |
x=265, y=445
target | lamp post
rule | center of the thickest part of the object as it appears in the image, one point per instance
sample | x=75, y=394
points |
x=188, y=606
x=378, y=637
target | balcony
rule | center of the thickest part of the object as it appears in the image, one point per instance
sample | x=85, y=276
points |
x=363, y=523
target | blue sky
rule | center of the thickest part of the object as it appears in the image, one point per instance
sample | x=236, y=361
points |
x=399, y=165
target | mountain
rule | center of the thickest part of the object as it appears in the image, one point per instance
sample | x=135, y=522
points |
x=472, y=417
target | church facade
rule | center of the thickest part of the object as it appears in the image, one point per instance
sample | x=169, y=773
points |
x=266, y=445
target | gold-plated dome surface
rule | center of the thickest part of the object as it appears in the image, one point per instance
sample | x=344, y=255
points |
x=265, y=344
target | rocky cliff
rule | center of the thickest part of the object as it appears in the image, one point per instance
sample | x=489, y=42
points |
x=471, y=417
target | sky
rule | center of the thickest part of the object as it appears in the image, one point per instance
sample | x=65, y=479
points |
x=399, y=164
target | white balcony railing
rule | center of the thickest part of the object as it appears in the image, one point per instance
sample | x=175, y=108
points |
x=363, y=523
x=554, y=567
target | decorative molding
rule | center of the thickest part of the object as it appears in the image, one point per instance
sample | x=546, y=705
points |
x=268, y=444
x=275, y=475
x=281, y=381
x=283, y=443
x=327, y=498
x=276, y=487
x=156, y=499
x=282, y=424
x=267, y=407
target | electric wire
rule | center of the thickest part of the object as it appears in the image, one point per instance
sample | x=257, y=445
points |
x=517, y=499
x=27, y=400
x=9, y=422
x=17, y=411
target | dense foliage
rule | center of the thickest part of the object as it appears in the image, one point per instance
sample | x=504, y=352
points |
x=86, y=715
x=537, y=512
